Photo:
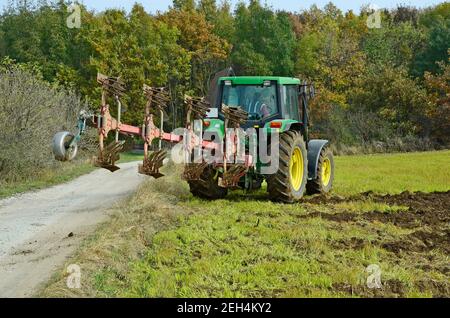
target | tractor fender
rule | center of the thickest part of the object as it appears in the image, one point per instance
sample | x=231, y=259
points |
x=315, y=147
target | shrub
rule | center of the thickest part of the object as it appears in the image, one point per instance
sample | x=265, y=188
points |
x=31, y=112
x=356, y=132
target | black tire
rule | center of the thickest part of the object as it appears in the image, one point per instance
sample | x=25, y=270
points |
x=280, y=186
x=318, y=185
x=208, y=187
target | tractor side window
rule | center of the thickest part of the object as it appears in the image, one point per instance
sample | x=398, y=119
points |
x=291, y=103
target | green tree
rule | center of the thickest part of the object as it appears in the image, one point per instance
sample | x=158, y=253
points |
x=209, y=9
x=264, y=42
x=437, y=44
x=188, y=5
x=392, y=94
x=394, y=44
x=38, y=34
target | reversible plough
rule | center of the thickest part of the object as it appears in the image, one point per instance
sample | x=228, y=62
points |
x=157, y=99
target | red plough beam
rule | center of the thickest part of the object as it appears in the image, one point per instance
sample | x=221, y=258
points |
x=157, y=100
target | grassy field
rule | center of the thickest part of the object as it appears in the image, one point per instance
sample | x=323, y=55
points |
x=393, y=173
x=162, y=242
x=59, y=173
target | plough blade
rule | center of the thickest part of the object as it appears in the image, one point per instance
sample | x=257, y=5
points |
x=112, y=85
x=159, y=98
x=235, y=115
x=153, y=163
x=194, y=171
x=108, y=157
x=197, y=108
x=232, y=176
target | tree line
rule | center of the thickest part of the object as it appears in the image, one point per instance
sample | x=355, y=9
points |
x=381, y=89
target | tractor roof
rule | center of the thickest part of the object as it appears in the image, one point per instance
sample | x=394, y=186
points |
x=259, y=80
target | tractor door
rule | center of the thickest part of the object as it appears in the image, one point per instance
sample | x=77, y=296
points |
x=291, y=106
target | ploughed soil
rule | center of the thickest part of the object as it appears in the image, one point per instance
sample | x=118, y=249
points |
x=426, y=216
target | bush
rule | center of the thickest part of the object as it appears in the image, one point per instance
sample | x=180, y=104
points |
x=31, y=112
x=356, y=132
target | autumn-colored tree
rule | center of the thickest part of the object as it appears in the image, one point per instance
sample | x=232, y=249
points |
x=329, y=54
x=138, y=48
x=207, y=50
x=438, y=110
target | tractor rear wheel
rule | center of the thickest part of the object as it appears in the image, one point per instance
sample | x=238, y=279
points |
x=325, y=174
x=208, y=186
x=288, y=184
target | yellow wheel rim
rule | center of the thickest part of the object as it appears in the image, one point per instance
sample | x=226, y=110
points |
x=326, y=172
x=296, y=169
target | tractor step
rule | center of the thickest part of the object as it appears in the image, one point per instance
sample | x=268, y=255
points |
x=109, y=156
x=232, y=176
x=153, y=163
x=194, y=171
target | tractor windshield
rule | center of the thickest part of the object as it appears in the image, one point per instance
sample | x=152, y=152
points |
x=259, y=101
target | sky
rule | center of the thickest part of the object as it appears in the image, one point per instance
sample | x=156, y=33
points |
x=290, y=5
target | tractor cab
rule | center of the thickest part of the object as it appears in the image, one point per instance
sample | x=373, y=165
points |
x=265, y=99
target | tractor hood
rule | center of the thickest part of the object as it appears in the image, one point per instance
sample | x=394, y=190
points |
x=214, y=126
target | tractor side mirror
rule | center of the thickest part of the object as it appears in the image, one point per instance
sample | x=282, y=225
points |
x=312, y=91
x=307, y=90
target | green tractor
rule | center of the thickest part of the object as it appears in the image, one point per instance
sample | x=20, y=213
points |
x=274, y=104
x=274, y=110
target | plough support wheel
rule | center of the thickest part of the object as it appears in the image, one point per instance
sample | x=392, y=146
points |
x=64, y=147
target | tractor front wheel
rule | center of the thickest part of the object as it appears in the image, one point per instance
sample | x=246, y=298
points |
x=288, y=184
x=325, y=174
x=208, y=186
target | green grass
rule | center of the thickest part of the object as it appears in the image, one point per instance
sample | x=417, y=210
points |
x=129, y=157
x=243, y=250
x=393, y=173
x=247, y=246
x=60, y=173
x=239, y=248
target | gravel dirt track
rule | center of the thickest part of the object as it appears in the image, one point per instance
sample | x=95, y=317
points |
x=40, y=230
